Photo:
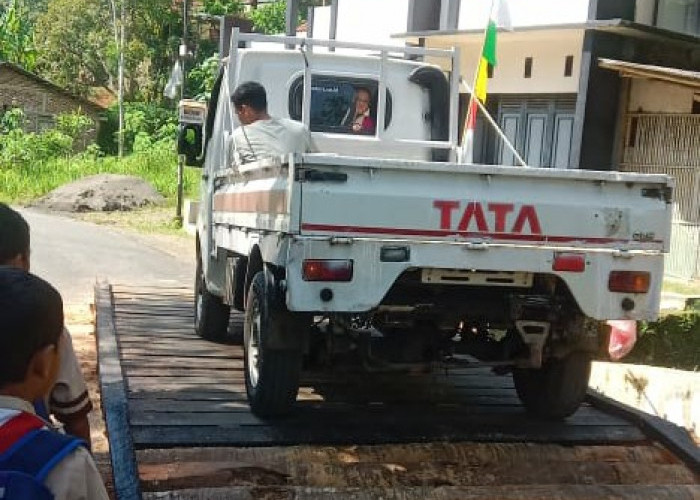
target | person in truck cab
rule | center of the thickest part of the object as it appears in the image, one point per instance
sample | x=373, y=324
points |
x=358, y=118
x=260, y=135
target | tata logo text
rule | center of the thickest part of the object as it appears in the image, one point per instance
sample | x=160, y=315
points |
x=495, y=218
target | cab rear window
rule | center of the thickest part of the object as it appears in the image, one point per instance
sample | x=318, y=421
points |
x=339, y=105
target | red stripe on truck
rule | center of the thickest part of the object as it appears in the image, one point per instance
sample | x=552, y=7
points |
x=438, y=233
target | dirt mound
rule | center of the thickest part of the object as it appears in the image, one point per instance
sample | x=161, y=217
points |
x=101, y=193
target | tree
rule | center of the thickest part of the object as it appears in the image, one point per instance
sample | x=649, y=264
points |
x=270, y=18
x=75, y=40
x=17, y=35
x=78, y=50
x=223, y=7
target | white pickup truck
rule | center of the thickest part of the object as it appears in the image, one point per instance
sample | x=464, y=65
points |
x=383, y=248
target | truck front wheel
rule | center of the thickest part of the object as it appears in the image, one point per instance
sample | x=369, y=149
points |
x=271, y=374
x=211, y=315
x=557, y=389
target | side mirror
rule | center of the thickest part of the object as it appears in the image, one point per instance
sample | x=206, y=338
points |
x=190, y=136
x=190, y=141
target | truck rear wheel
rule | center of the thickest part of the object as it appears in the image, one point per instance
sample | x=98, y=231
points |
x=271, y=375
x=557, y=389
x=211, y=315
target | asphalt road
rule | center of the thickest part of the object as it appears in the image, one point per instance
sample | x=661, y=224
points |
x=72, y=255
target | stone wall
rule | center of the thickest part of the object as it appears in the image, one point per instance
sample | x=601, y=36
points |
x=41, y=101
x=670, y=394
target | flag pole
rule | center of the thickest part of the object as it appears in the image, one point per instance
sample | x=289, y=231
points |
x=470, y=109
x=497, y=128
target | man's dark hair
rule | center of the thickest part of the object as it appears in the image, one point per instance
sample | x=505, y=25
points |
x=251, y=94
x=31, y=318
x=14, y=234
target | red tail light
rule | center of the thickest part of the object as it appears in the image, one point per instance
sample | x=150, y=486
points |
x=572, y=262
x=327, y=270
x=629, y=281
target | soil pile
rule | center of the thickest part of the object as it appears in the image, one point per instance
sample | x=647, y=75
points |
x=102, y=193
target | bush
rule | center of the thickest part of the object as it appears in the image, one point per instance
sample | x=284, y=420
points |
x=673, y=342
x=20, y=148
x=12, y=119
x=146, y=118
x=74, y=125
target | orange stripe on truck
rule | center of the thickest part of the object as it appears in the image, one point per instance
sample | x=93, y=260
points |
x=269, y=202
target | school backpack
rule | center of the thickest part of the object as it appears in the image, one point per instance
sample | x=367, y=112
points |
x=28, y=453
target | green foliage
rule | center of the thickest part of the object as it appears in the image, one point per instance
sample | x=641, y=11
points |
x=74, y=124
x=149, y=119
x=270, y=18
x=223, y=7
x=75, y=39
x=78, y=42
x=158, y=165
x=673, y=341
x=17, y=35
x=12, y=119
x=27, y=149
x=201, y=78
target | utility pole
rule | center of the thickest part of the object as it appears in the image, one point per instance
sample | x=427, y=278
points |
x=182, y=53
x=119, y=44
x=120, y=140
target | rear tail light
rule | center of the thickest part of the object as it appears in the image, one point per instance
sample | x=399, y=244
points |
x=629, y=281
x=327, y=270
x=572, y=262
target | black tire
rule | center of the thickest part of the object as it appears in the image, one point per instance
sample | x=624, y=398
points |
x=556, y=390
x=211, y=315
x=271, y=375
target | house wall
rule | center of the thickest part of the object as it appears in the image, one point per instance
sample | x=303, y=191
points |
x=659, y=97
x=366, y=21
x=548, y=50
x=474, y=13
x=18, y=90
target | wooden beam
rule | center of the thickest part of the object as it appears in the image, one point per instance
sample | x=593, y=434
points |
x=114, y=403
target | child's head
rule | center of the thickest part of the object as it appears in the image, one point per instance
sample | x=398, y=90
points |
x=14, y=238
x=31, y=322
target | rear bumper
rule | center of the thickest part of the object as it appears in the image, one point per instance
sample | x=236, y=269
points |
x=373, y=278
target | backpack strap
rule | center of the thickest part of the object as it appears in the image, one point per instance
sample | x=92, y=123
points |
x=38, y=451
x=16, y=429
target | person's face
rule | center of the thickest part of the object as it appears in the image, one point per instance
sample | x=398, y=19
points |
x=361, y=102
x=246, y=114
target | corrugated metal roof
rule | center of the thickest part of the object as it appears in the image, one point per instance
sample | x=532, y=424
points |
x=635, y=70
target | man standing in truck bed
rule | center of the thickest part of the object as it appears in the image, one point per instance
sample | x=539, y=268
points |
x=260, y=135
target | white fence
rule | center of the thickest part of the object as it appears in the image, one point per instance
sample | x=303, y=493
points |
x=670, y=144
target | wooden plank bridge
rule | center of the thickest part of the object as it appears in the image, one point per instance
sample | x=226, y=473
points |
x=182, y=407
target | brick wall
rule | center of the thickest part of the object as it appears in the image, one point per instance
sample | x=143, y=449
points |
x=42, y=101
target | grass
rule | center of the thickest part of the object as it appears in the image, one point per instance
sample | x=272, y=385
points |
x=682, y=287
x=146, y=220
x=24, y=183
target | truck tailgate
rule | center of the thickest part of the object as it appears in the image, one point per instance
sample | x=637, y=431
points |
x=361, y=197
